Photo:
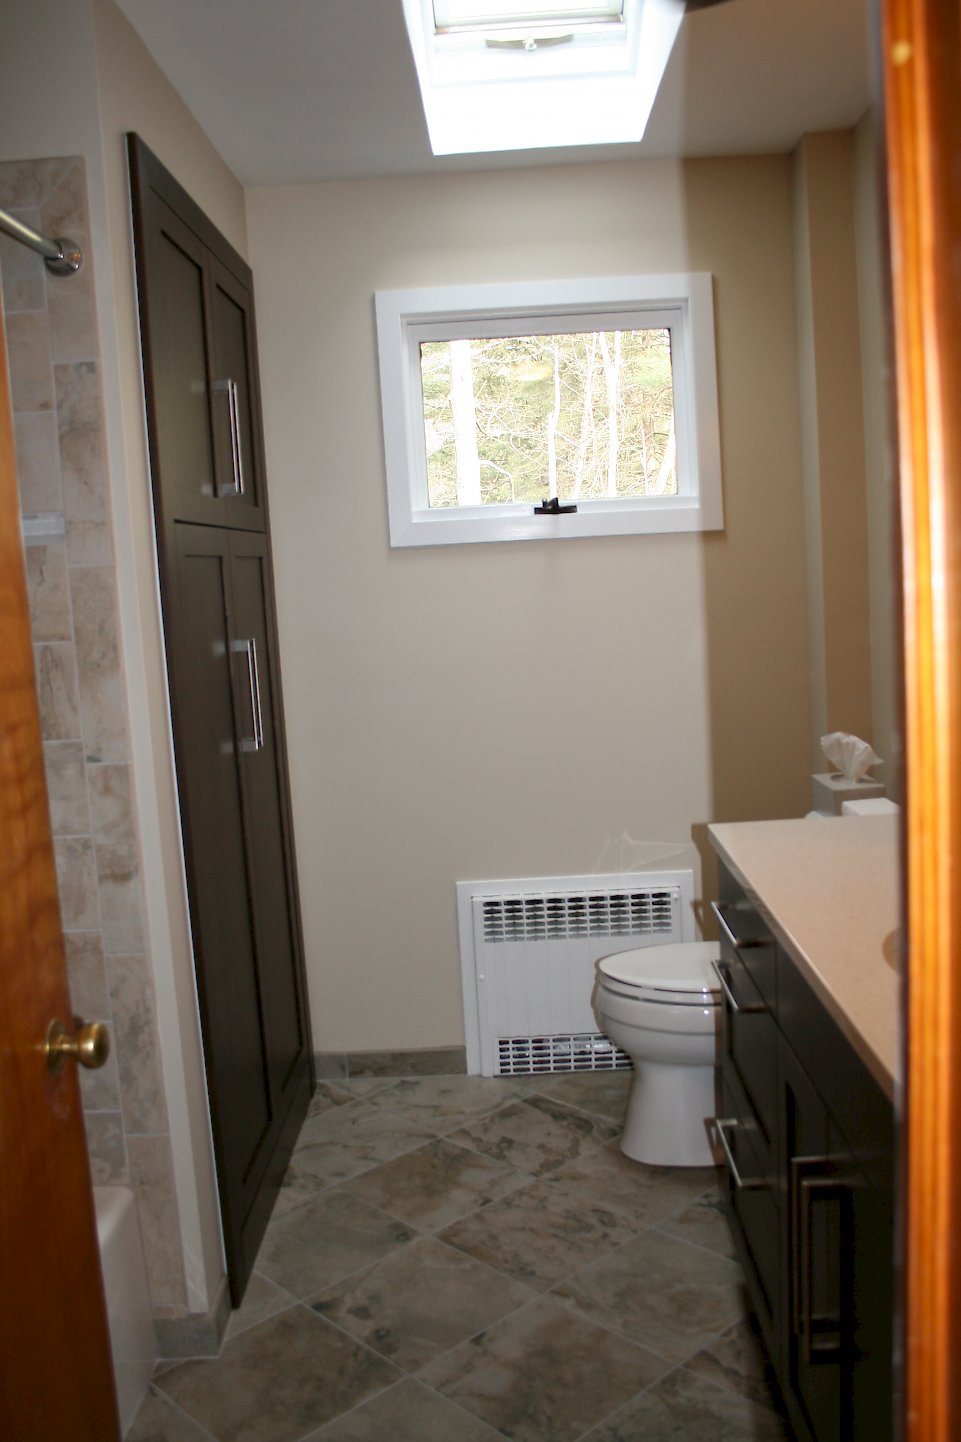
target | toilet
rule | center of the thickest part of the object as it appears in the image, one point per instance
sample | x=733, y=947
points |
x=661, y=1005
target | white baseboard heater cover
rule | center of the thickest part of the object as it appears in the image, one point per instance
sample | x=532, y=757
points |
x=529, y=947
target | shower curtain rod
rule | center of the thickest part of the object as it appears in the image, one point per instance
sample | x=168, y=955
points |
x=62, y=257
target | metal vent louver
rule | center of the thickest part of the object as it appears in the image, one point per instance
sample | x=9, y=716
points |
x=615, y=913
x=588, y=1051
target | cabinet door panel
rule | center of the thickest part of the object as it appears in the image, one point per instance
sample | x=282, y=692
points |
x=234, y=394
x=175, y=327
x=210, y=794
x=197, y=325
x=815, y=1221
x=262, y=766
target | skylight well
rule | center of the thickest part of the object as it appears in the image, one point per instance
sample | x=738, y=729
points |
x=544, y=73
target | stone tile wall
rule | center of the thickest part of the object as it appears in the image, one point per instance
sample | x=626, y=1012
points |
x=55, y=387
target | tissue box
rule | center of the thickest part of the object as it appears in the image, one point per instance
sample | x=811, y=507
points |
x=830, y=789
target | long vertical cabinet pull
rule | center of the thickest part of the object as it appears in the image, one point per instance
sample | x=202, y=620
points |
x=248, y=648
x=228, y=388
x=814, y=1184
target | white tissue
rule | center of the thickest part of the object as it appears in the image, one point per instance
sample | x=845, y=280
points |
x=849, y=755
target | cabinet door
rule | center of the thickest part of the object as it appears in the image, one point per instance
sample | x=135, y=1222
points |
x=840, y=1274
x=199, y=353
x=234, y=395
x=206, y=724
x=243, y=909
x=262, y=764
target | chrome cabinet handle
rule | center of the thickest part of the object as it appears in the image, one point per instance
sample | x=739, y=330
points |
x=256, y=741
x=743, y=943
x=228, y=388
x=737, y=1007
x=740, y=1185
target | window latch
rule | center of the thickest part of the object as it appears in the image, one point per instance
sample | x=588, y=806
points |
x=553, y=507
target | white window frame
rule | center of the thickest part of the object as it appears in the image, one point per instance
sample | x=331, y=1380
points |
x=680, y=302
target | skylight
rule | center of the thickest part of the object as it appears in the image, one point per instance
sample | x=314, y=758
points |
x=546, y=73
x=461, y=14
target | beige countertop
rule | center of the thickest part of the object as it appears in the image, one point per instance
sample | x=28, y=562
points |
x=828, y=887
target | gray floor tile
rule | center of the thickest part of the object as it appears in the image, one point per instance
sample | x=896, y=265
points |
x=639, y=1193
x=342, y=1143
x=681, y=1408
x=443, y=1102
x=279, y=1380
x=160, y=1420
x=543, y=1375
x=324, y=1241
x=327, y=1095
x=542, y=1232
x=662, y=1293
x=297, y=1187
x=737, y=1360
x=535, y=1135
x=262, y=1299
x=409, y=1412
x=702, y=1223
x=603, y=1093
x=435, y=1185
x=420, y=1301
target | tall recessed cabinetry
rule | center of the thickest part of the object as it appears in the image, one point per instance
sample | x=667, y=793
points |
x=209, y=491
x=809, y=1142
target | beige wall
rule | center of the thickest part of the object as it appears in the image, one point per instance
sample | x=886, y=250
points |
x=829, y=345
x=506, y=710
x=879, y=455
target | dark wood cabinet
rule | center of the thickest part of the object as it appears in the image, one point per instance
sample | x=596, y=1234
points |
x=196, y=316
x=808, y=1138
x=216, y=587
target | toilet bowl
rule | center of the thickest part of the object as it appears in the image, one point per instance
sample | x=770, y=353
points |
x=660, y=1005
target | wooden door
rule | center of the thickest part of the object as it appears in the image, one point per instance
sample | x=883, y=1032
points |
x=55, y=1368
x=921, y=50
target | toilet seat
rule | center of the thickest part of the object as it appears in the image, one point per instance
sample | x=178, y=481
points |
x=678, y=975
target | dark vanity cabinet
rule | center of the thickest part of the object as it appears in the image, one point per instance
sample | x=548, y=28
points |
x=808, y=1140
x=208, y=479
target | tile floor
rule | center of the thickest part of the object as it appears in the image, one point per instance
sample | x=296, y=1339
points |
x=454, y=1259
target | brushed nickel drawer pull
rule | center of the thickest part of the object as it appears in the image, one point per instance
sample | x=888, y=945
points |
x=740, y=1185
x=737, y=1007
x=745, y=943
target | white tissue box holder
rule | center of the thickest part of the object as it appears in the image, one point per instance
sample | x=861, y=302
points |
x=829, y=790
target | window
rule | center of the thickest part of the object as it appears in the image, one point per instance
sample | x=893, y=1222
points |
x=556, y=409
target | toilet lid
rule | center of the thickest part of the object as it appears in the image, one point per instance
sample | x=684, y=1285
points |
x=666, y=973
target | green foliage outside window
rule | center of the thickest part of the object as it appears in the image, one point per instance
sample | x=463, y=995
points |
x=580, y=416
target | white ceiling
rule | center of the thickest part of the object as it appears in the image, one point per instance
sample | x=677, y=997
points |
x=302, y=90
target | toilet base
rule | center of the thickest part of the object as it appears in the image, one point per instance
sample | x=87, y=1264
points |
x=669, y=1114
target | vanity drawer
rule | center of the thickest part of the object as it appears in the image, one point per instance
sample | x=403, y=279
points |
x=749, y=1044
x=751, y=1201
x=746, y=935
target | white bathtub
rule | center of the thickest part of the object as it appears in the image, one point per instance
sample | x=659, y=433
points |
x=132, y=1338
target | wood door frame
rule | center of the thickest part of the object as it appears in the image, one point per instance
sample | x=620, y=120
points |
x=921, y=44
x=55, y=1361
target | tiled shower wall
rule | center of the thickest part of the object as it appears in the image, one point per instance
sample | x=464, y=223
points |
x=55, y=386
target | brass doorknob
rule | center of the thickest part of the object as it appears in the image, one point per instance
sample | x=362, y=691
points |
x=90, y=1044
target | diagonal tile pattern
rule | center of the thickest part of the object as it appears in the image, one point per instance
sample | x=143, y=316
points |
x=466, y=1259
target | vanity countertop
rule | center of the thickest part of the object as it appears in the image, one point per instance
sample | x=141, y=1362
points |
x=829, y=889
